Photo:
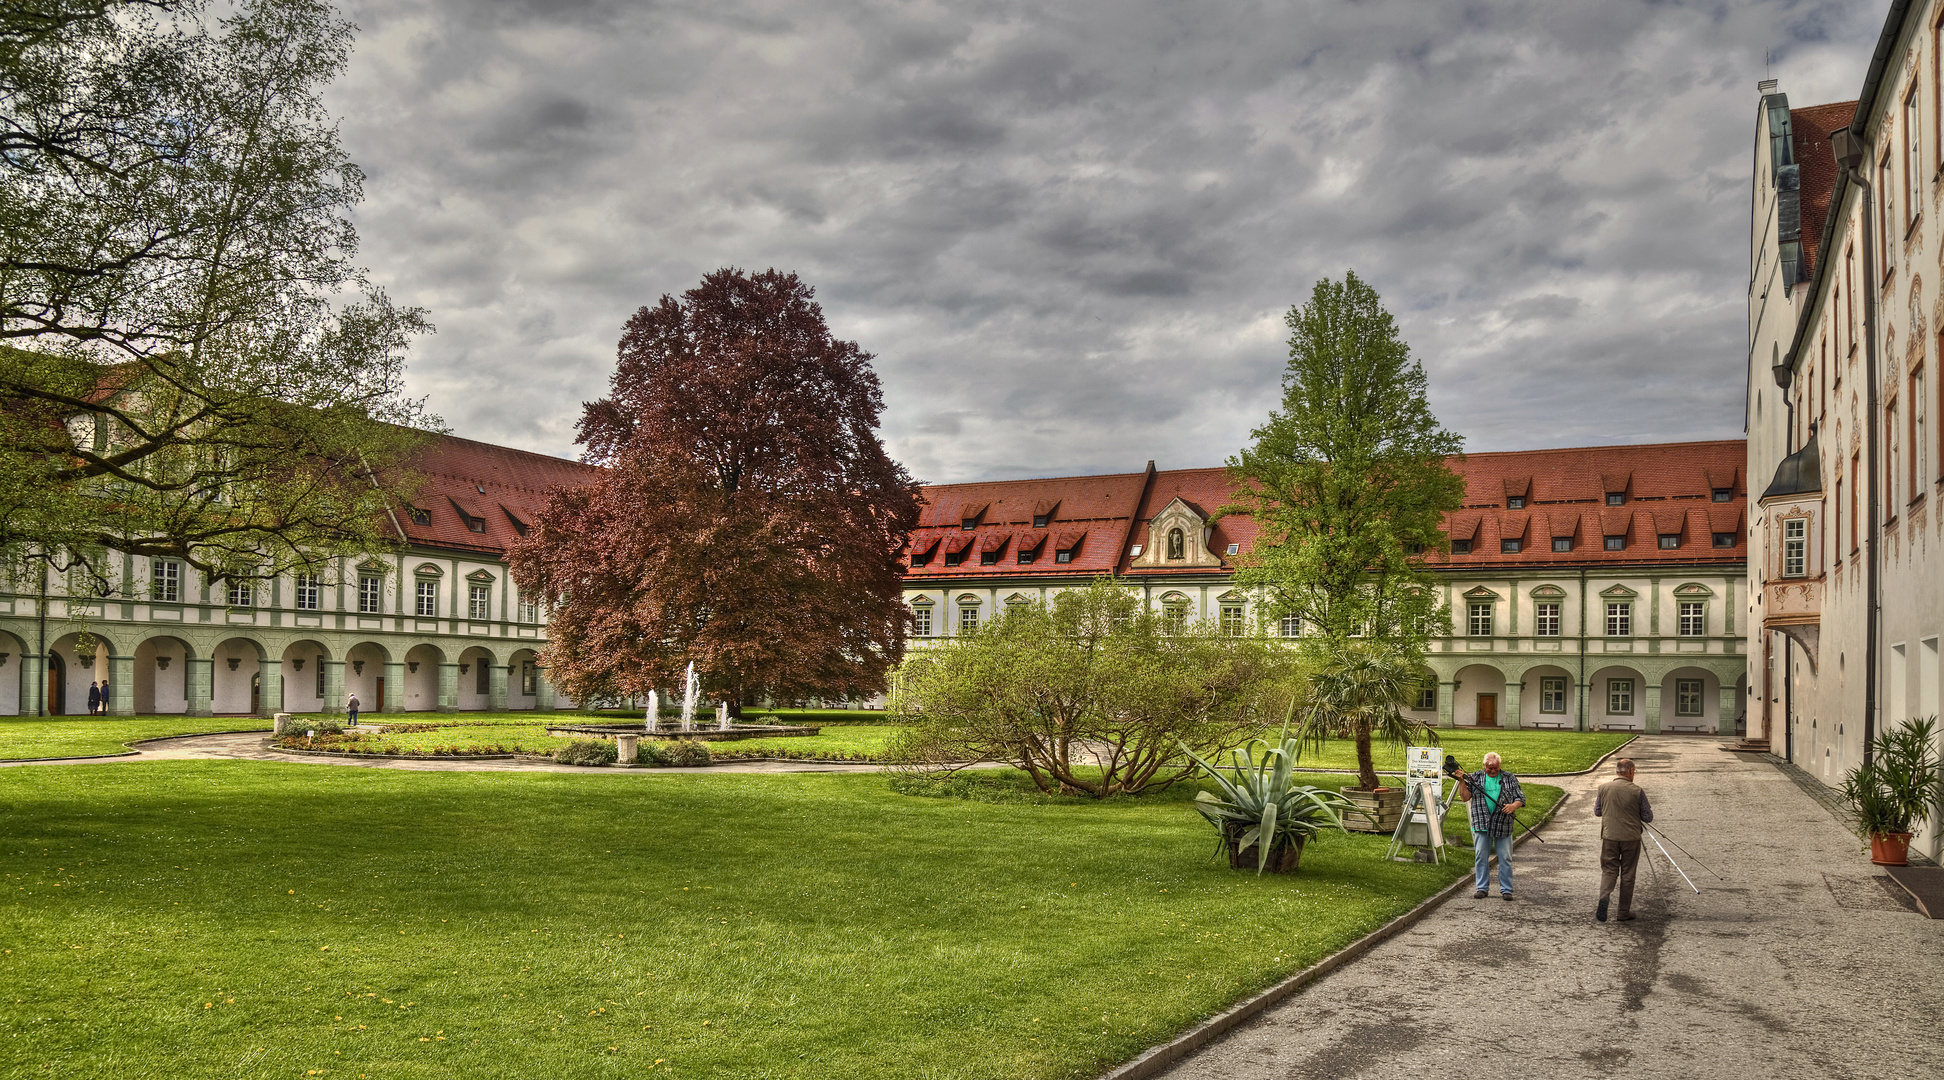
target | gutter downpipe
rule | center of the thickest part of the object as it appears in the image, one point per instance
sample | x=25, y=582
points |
x=1873, y=526
x=1582, y=650
x=40, y=614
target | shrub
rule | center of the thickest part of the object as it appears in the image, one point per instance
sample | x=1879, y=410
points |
x=587, y=752
x=685, y=753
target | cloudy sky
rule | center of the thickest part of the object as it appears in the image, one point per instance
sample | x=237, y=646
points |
x=1069, y=231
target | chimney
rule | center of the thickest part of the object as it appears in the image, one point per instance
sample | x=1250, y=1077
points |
x=1765, y=87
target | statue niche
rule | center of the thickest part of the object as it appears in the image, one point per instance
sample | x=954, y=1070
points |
x=1177, y=538
x=1176, y=549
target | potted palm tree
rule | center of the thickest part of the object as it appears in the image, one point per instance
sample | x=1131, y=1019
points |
x=1900, y=784
x=1262, y=817
x=1358, y=692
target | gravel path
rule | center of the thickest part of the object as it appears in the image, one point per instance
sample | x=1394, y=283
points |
x=1805, y=961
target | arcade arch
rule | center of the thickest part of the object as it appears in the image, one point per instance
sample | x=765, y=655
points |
x=162, y=676
x=304, y=673
x=421, y=684
x=236, y=678
x=475, y=679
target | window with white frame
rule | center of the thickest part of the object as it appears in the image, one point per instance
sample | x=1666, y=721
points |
x=1694, y=618
x=241, y=593
x=371, y=594
x=479, y=602
x=1795, y=547
x=529, y=679
x=1620, y=618
x=1687, y=697
x=968, y=619
x=307, y=592
x=1913, y=165
x=1232, y=620
x=529, y=610
x=1290, y=626
x=921, y=624
x=1620, y=694
x=1479, y=618
x=427, y=605
x=1552, y=693
x=1887, y=212
x=165, y=581
x=1427, y=698
x=1546, y=619
x=1174, y=616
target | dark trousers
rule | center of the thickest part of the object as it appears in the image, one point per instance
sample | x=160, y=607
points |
x=1618, y=861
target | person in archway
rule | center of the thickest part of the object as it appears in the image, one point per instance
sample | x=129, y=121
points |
x=351, y=706
x=104, y=697
x=94, y=699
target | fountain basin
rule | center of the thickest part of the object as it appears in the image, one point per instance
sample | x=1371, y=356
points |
x=699, y=734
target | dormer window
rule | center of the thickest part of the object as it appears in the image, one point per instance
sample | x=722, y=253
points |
x=419, y=515
x=1515, y=502
x=923, y=559
x=1616, y=498
x=1236, y=549
x=953, y=558
x=1039, y=520
x=1724, y=540
x=1063, y=556
x=1461, y=547
x=968, y=524
x=1669, y=541
x=1724, y=494
x=474, y=524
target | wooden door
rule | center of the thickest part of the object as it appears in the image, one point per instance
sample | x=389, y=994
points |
x=378, y=695
x=1488, y=710
x=56, y=684
x=256, y=694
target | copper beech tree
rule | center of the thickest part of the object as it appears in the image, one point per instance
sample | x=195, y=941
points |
x=747, y=518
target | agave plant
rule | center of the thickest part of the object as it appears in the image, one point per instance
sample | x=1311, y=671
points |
x=1261, y=807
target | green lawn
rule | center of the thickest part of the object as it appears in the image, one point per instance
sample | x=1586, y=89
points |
x=251, y=919
x=1525, y=752
x=82, y=736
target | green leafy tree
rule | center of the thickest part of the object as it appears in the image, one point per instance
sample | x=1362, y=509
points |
x=191, y=364
x=1356, y=692
x=1092, y=694
x=1349, y=483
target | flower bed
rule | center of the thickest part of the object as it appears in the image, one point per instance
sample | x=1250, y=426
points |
x=374, y=745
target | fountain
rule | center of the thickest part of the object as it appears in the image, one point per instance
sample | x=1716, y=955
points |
x=650, y=727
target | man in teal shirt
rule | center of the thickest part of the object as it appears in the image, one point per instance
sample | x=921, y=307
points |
x=1494, y=796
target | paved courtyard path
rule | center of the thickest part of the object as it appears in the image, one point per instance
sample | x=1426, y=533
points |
x=250, y=746
x=1804, y=962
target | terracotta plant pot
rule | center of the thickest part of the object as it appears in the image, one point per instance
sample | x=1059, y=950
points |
x=1890, y=849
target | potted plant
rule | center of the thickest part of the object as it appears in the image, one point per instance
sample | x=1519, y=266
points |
x=1901, y=784
x=1262, y=817
x=1358, y=691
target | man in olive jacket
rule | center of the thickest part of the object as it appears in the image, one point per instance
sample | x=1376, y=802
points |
x=1621, y=807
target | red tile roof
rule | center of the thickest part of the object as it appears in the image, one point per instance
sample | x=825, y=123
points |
x=1668, y=489
x=1810, y=126
x=495, y=485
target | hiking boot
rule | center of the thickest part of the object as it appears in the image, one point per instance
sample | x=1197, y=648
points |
x=1599, y=913
x=1625, y=916
x=1479, y=895
x=1505, y=896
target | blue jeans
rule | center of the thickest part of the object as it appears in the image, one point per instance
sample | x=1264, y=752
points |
x=1482, y=847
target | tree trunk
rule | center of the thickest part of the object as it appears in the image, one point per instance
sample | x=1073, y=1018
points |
x=1366, y=767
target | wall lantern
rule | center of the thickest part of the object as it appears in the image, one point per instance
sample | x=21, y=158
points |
x=297, y=664
x=357, y=667
x=412, y=666
x=86, y=659
x=462, y=667
x=3, y=657
x=235, y=662
x=162, y=663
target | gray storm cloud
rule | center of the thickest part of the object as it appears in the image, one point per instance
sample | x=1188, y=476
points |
x=1069, y=232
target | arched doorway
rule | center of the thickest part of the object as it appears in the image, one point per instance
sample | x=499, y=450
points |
x=421, y=690
x=162, y=677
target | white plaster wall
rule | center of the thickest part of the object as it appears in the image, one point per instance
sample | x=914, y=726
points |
x=230, y=690
x=1598, y=700
x=159, y=690
x=1473, y=681
x=422, y=686
x=1529, y=699
x=1710, y=718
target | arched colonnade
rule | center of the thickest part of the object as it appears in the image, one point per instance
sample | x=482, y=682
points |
x=223, y=673
x=1648, y=694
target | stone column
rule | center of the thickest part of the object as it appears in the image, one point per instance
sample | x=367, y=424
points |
x=1652, y=697
x=198, y=680
x=333, y=703
x=496, y=687
x=394, y=686
x=33, y=684
x=1731, y=700
x=543, y=696
x=449, y=687
x=1512, y=693
x=269, y=687
x=1448, y=704
x=121, y=686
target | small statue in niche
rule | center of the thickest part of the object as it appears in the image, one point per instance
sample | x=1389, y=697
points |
x=1176, y=548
